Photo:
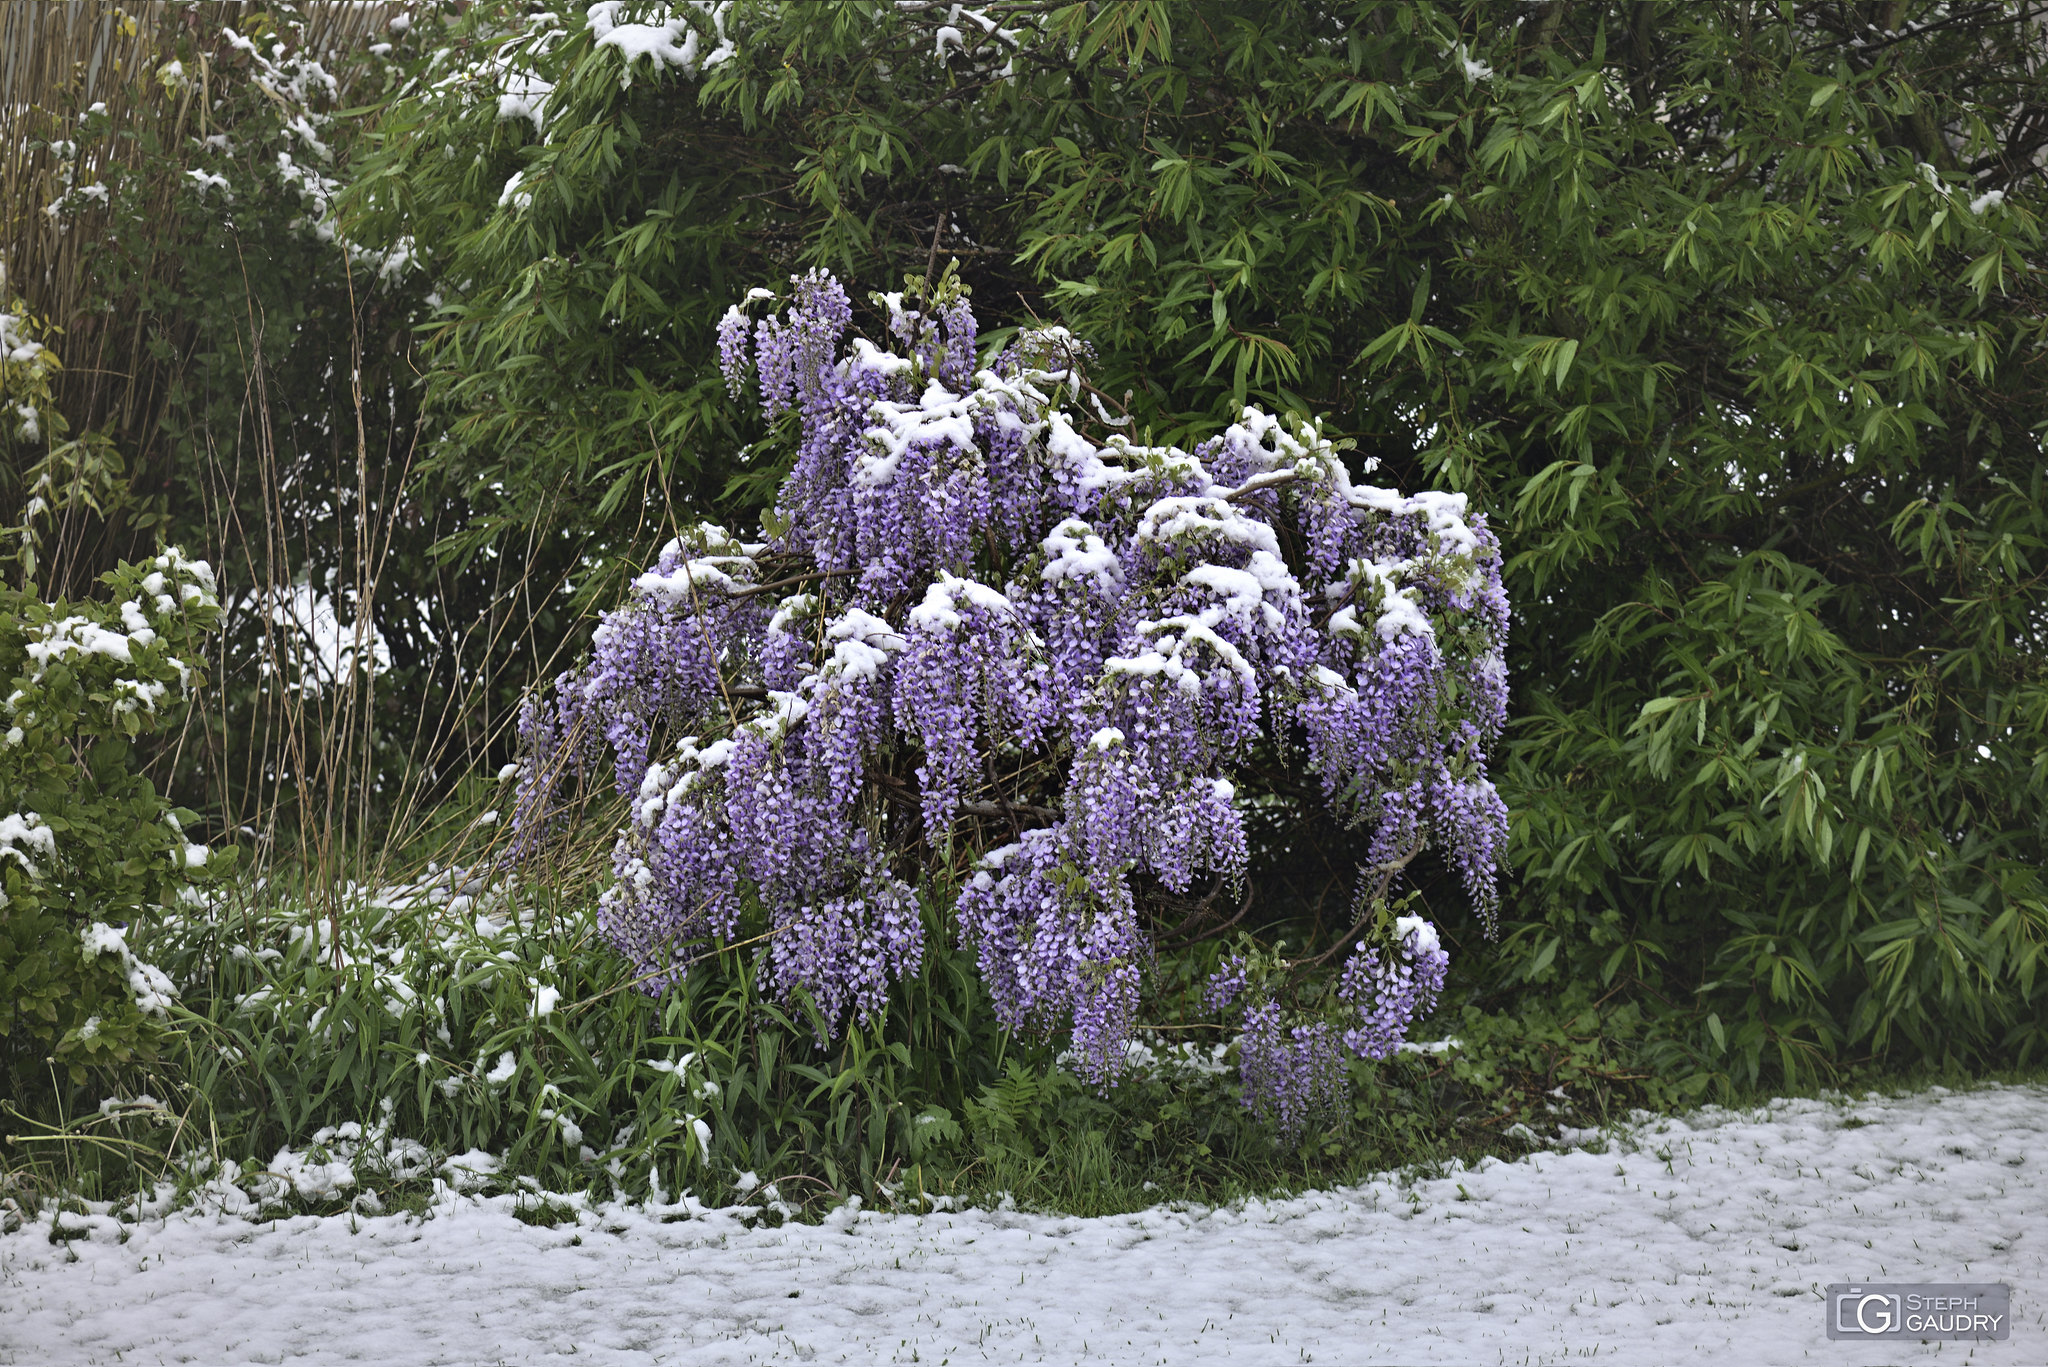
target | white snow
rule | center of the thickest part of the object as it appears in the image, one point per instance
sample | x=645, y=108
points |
x=1074, y=551
x=1204, y=518
x=864, y=643
x=1243, y=592
x=664, y=784
x=1426, y=941
x=938, y=418
x=784, y=711
x=792, y=610
x=153, y=989
x=1332, y=680
x=939, y=613
x=19, y=829
x=313, y=648
x=672, y=42
x=77, y=636
x=681, y=584
x=1400, y=610
x=1171, y=639
x=525, y=96
x=1706, y=1239
x=868, y=356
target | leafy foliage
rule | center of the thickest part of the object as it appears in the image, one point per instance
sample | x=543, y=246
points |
x=449, y=1027
x=1738, y=312
x=89, y=849
x=169, y=217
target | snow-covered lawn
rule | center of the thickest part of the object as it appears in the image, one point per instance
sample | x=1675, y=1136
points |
x=1701, y=1240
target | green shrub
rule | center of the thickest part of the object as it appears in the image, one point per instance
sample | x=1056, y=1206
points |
x=89, y=849
x=1739, y=313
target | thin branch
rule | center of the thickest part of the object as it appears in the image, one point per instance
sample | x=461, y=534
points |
x=1258, y=484
x=794, y=579
x=1003, y=810
x=931, y=262
x=1386, y=872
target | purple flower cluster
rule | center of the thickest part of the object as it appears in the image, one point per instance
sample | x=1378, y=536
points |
x=1049, y=954
x=972, y=668
x=1290, y=1075
x=795, y=355
x=981, y=639
x=845, y=951
x=1392, y=988
x=1227, y=983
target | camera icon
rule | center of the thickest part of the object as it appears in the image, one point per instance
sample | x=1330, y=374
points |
x=1858, y=1311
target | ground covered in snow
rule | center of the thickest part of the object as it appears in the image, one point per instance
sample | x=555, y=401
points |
x=1704, y=1239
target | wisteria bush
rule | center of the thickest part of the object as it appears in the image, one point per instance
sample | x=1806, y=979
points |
x=994, y=652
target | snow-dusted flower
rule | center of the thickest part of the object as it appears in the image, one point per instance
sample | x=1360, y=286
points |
x=977, y=632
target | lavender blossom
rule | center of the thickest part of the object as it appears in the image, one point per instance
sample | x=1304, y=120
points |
x=733, y=360
x=1291, y=1075
x=1392, y=989
x=1048, y=658
x=1226, y=984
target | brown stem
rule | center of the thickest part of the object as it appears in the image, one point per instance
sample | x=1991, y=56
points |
x=1258, y=484
x=752, y=589
x=1386, y=872
x=1171, y=939
x=1003, y=810
x=931, y=262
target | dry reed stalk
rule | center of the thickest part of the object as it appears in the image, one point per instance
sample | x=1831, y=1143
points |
x=301, y=772
x=58, y=61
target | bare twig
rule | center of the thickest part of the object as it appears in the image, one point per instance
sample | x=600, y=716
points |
x=1001, y=810
x=1386, y=873
x=1257, y=484
x=931, y=262
x=752, y=589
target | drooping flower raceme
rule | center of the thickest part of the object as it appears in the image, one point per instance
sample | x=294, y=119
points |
x=985, y=638
x=1393, y=987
